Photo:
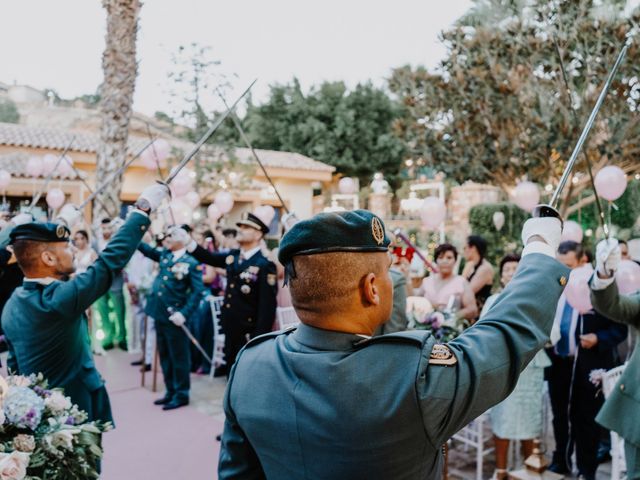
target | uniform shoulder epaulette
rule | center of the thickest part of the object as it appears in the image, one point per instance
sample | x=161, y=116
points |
x=268, y=336
x=412, y=337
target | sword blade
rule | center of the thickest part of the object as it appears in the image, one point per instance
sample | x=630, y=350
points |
x=206, y=136
x=195, y=342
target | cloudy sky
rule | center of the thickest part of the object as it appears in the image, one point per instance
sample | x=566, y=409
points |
x=59, y=44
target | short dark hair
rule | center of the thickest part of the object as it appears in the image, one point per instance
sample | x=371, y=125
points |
x=509, y=257
x=623, y=242
x=27, y=253
x=478, y=242
x=443, y=248
x=230, y=232
x=83, y=233
x=571, y=246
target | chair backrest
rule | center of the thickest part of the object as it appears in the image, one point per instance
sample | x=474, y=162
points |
x=286, y=317
x=216, y=307
x=610, y=379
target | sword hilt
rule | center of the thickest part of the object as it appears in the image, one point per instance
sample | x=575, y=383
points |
x=546, y=211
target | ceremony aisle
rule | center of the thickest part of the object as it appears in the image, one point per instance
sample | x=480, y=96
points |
x=149, y=443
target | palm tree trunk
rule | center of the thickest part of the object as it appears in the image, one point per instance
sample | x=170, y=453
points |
x=120, y=70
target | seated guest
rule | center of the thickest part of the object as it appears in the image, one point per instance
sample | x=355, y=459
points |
x=447, y=290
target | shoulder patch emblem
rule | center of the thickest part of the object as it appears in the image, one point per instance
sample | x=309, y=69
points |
x=229, y=260
x=271, y=279
x=441, y=355
x=377, y=230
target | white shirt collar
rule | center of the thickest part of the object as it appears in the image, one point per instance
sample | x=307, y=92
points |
x=249, y=253
x=41, y=281
x=179, y=253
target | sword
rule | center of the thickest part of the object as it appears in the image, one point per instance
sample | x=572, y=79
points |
x=398, y=233
x=603, y=223
x=37, y=196
x=206, y=136
x=84, y=182
x=550, y=210
x=112, y=176
x=155, y=157
x=245, y=139
x=193, y=340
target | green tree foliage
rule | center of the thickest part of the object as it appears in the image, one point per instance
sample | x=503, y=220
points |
x=350, y=130
x=507, y=240
x=496, y=109
x=8, y=111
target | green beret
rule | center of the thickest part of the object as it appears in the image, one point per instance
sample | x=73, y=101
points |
x=354, y=231
x=40, y=232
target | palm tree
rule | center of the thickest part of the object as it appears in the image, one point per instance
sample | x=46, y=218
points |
x=120, y=70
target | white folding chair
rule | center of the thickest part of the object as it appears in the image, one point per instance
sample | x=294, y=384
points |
x=473, y=436
x=286, y=317
x=618, y=463
x=215, y=303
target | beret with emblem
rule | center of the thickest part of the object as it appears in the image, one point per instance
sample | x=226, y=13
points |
x=40, y=232
x=353, y=231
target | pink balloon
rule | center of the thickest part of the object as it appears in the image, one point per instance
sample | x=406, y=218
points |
x=346, y=185
x=5, y=179
x=34, y=166
x=610, y=182
x=65, y=169
x=213, y=212
x=577, y=290
x=265, y=213
x=628, y=277
x=224, y=201
x=162, y=149
x=155, y=154
x=181, y=185
x=432, y=212
x=49, y=162
x=55, y=198
x=147, y=161
x=192, y=199
x=526, y=195
x=180, y=211
x=572, y=231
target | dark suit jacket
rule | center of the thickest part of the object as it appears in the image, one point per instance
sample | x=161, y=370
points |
x=250, y=297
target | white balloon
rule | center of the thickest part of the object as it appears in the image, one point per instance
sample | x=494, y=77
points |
x=34, y=166
x=498, y=220
x=346, y=185
x=265, y=213
x=55, y=198
x=193, y=199
x=224, y=201
x=49, y=162
x=432, y=212
x=572, y=231
x=526, y=195
x=213, y=212
x=5, y=179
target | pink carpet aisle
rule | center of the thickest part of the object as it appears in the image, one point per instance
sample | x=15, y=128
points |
x=151, y=444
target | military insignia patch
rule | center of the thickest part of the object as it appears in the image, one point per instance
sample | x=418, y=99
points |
x=253, y=269
x=229, y=260
x=271, y=279
x=377, y=230
x=441, y=355
x=61, y=232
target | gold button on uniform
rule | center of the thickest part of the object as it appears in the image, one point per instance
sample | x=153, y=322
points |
x=622, y=387
x=159, y=294
x=562, y=281
x=165, y=278
x=232, y=285
x=228, y=305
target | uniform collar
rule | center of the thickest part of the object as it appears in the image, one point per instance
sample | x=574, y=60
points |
x=249, y=253
x=40, y=281
x=179, y=253
x=318, y=339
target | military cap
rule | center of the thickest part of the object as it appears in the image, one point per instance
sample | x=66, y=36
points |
x=353, y=231
x=40, y=232
x=250, y=220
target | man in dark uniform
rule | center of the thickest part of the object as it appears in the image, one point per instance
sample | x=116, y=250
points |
x=44, y=320
x=331, y=402
x=175, y=295
x=250, y=297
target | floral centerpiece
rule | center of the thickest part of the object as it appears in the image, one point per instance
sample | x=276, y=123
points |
x=443, y=324
x=43, y=435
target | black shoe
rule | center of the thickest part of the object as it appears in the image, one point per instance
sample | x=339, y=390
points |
x=137, y=363
x=562, y=469
x=123, y=346
x=163, y=401
x=173, y=404
x=108, y=346
x=219, y=437
x=147, y=367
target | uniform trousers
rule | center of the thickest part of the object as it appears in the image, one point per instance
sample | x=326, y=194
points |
x=234, y=340
x=173, y=348
x=114, y=329
x=574, y=413
x=632, y=456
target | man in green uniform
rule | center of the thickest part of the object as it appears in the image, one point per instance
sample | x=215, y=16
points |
x=332, y=402
x=621, y=411
x=44, y=320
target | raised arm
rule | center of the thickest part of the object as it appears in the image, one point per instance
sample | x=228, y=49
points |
x=620, y=308
x=205, y=256
x=149, y=252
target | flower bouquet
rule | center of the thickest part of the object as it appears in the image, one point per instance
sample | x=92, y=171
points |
x=43, y=435
x=444, y=324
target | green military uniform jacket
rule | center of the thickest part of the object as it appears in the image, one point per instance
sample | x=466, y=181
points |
x=339, y=406
x=46, y=326
x=621, y=411
x=177, y=287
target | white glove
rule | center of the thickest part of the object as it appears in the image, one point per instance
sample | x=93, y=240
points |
x=152, y=196
x=69, y=215
x=608, y=257
x=22, y=218
x=549, y=228
x=191, y=246
x=177, y=318
x=180, y=235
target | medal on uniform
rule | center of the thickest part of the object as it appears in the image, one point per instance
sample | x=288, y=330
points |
x=229, y=260
x=246, y=289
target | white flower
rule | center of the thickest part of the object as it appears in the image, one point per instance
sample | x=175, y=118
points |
x=62, y=438
x=19, y=381
x=13, y=466
x=57, y=402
